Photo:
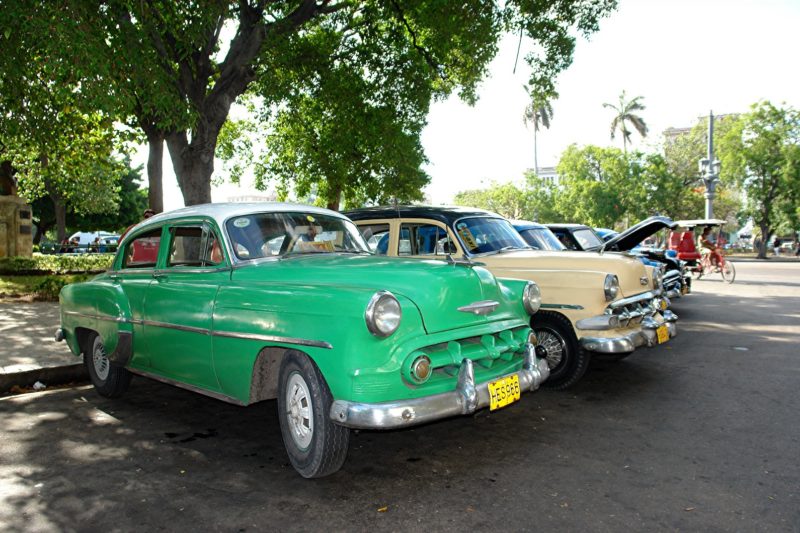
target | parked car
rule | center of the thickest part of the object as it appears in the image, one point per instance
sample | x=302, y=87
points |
x=577, y=237
x=250, y=302
x=591, y=304
x=538, y=236
x=677, y=278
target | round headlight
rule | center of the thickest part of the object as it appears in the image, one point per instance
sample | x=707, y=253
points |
x=658, y=278
x=611, y=287
x=383, y=314
x=531, y=298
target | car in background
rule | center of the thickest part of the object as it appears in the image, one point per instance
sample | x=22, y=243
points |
x=538, y=236
x=677, y=278
x=577, y=237
x=250, y=302
x=592, y=304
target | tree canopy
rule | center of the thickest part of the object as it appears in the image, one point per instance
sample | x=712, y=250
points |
x=343, y=87
x=761, y=153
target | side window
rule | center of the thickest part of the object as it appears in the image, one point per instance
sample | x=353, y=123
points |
x=194, y=246
x=142, y=252
x=424, y=239
x=377, y=237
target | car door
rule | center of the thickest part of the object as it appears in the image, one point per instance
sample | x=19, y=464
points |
x=180, y=301
x=134, y=276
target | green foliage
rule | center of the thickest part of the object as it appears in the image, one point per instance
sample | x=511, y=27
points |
x=626, y=114
x=506, y=199
x=598, y=187
x=343, y=87
x=39, y=287
x=762, y=155
x=56, y=264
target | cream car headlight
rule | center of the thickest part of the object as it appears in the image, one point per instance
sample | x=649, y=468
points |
x=531, y=298
x=383, y=314
x=611, y=287
x=658, y=278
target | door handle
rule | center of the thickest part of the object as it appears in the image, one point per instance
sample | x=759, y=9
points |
x=159, y=275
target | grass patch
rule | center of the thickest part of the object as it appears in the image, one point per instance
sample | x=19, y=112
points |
x=41, y=288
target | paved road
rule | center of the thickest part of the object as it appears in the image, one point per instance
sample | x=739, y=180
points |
x=698, y=434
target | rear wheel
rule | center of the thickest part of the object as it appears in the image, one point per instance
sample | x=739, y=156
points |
x=728, y=272
x=566, y=359
x=109, y=380
x=316, y=446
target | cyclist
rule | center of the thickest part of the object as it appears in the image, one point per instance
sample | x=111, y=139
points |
x=708, y=249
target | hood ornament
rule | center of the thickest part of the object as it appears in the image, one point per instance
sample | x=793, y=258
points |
x=484, y=307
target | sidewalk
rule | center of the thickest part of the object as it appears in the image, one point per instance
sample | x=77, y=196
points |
x=28, y=351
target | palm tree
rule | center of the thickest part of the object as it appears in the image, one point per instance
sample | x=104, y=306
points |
x=537, y=112
x=625, y=114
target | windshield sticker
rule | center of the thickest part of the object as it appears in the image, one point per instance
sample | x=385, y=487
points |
x=310, y=218
x=241, y=222
x=467, y=237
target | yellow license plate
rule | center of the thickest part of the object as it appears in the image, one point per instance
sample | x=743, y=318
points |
x=663, y=334
x=503, y=392
x=663, y=305
x=685, y=289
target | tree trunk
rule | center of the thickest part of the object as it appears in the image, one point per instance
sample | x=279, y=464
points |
x=535, y=151
x=155, y=158
x=765, y=237
x=61, y=216
x=334, y=197
x=193, y=163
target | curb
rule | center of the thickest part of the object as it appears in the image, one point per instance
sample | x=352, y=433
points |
x=54, y=375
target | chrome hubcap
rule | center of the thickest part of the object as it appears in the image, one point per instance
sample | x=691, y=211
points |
x=554, y=345
x=299, y=412
x=100, y=360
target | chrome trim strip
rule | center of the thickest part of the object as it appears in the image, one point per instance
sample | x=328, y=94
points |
x=483, y=307
x=168, y=381
x=204, y=331
x=273, y=338
x=167, y=325
x=467, y=398
x=97, y=317
x=561, y=306
x=600, y=322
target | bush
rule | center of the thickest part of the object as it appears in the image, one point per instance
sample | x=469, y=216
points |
x=48, y=288
x=56, y=264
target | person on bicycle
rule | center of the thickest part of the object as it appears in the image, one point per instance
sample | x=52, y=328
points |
x=707, y=248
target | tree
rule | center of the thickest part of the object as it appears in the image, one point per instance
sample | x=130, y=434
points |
x=505, y=199
x=170, y=68
x=597, y=185
x=625, y=113
x=537, y=112
x=762, y=154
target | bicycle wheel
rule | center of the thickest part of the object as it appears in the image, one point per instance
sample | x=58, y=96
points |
x=728, y=272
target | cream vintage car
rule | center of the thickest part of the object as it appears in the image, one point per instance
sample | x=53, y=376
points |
x=607, y=304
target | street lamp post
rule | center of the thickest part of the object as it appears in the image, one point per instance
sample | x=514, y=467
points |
x=709, y=169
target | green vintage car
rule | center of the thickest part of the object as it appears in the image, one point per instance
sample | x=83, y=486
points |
x=249, y=302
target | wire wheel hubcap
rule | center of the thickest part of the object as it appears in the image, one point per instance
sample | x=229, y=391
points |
x=100, y=360
x=299, y=411
x=554, y=345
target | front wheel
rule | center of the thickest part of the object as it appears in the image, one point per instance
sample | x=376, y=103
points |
x=728, y=272
x=108, y=379
x=567, y=360
x=316, y=446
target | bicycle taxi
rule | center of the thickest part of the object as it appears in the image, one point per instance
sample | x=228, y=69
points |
x=683, y=240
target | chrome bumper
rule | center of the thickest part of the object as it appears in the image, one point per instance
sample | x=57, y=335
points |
x=646, y=336
x=467, y=398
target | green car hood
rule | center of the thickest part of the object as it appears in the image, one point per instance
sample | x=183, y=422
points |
x=436, y=288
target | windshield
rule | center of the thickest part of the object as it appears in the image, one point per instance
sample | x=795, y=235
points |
x=587, y=239
x=542, y=239
x=481, y=235
x=280, y=234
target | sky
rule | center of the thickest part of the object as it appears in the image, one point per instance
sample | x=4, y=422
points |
x=684, y=57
